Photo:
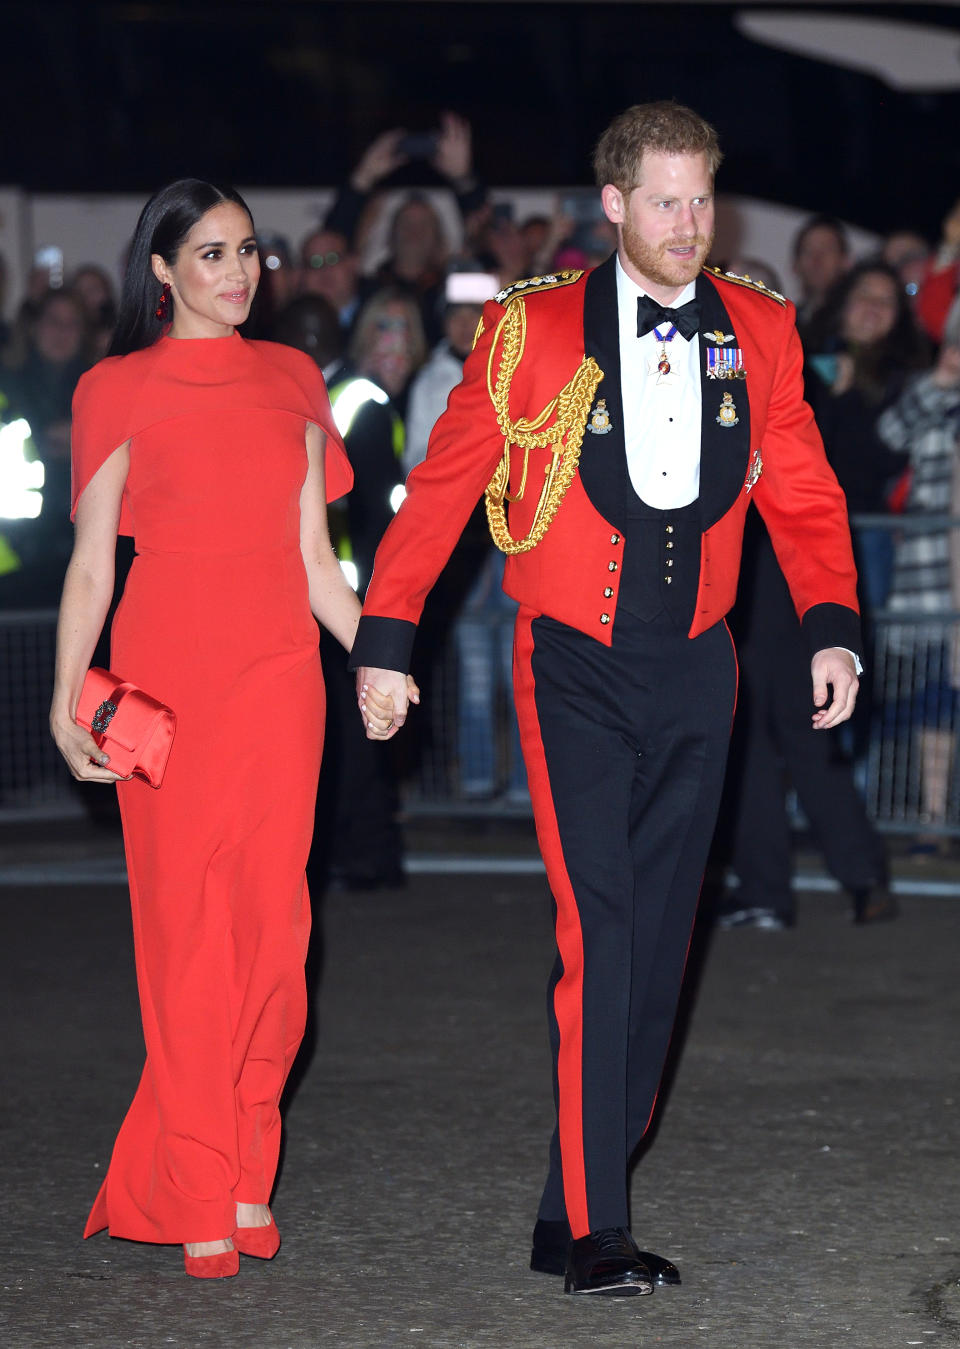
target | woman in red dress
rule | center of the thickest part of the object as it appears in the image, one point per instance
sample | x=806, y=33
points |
x=218, y=455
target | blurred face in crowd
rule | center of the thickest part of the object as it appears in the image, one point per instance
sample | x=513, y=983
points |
x=506, y=245
x=388, y=358
x=329, y=269
x=820, y=260
x=59, y=330
x=908, y=254
x=599, y=242
x=871, y=309
x=534, y=238
x=92, y=288
x=214, y=276
x=417, y=238
x=664, y=223
x=460, y=325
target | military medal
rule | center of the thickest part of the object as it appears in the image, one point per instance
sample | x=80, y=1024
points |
x=723, y=362
x=663, y=365
x=727, y=415
x=599, y=422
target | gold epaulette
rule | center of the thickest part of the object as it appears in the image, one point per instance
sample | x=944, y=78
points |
x=537, y=283
x=750, y=284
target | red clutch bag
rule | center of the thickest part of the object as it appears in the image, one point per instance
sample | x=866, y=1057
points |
x=133, y=728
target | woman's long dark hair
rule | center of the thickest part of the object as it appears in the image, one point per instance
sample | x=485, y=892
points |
x=881, y=367
x=164, y=223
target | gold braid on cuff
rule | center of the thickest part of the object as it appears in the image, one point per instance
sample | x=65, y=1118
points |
x=571, y=406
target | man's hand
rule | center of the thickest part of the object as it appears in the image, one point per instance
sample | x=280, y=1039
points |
x=383, y=697
x=835, y=667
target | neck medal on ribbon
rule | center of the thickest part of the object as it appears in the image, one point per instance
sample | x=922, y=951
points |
x=723, y=361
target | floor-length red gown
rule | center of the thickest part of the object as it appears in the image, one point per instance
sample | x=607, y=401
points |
x=214, y=621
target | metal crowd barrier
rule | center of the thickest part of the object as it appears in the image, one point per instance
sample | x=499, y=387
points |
x=34, y=782
x=905, y=747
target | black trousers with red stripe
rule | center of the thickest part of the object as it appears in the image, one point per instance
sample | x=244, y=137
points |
x=625, y=750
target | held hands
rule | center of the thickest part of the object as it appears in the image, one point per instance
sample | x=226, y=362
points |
x=85, y=759
x=383, y=697
x=833, y=666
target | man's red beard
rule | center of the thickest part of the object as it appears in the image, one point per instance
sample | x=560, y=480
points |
x=657, y=264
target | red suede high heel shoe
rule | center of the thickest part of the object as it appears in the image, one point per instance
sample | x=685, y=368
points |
x=223, y=1265
x=262, y=1242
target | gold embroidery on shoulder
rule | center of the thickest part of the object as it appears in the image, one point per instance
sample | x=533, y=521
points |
x=749, y=283
x=535, y=283
x=563, y=437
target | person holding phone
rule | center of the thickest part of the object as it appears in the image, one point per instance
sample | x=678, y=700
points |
x=218, y=455
x=619, y=423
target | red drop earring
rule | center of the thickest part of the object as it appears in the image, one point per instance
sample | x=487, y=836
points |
x=162, y=310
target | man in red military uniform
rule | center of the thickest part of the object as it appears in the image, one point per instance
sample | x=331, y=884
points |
x=627, y=416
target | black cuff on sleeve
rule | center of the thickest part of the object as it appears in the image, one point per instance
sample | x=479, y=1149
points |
x=385, y=643
x=826, y=625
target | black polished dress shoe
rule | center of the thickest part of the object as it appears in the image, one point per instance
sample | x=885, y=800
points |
x=551, y=1241
x=874, y=904
x=607, y=1262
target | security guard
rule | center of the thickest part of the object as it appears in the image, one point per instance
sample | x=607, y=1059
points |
x=357, y=842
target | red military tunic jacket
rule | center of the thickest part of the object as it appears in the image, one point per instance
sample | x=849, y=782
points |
x=772, y=454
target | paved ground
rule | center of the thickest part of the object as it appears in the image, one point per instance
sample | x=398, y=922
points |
x=804, y=1174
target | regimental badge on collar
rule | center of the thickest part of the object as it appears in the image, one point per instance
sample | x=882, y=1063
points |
x=727, y=416
x=599, y=422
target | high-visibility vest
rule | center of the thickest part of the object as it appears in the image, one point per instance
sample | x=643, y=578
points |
x=348, y=397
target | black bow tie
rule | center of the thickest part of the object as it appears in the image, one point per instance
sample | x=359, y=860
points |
x=651, y=315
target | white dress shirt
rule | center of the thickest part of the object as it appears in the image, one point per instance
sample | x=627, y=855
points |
x=662, y=414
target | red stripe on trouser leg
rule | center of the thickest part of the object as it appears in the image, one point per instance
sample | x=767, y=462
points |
x=568, y=994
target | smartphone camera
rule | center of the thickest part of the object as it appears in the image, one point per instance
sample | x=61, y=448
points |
x=50, y=258
x=419, y=145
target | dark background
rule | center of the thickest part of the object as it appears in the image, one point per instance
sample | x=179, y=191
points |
x=124, y=96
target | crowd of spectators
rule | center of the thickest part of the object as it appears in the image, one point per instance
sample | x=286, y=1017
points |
x=881, y=345
x=881, y=338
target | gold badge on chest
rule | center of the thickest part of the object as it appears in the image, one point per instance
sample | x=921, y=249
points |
x=599, y=422
x=727, y=416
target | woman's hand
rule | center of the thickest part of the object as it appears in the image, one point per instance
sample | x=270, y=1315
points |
x=85, y=759
x=383, y=697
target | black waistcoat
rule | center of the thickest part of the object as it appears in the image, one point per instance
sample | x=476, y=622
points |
x=661, y=561
x=645, y=589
